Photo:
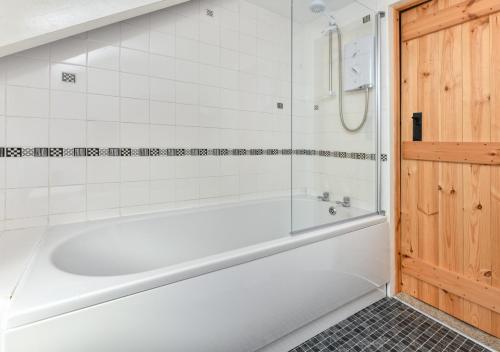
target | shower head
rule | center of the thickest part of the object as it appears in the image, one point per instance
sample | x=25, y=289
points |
x=317, y=6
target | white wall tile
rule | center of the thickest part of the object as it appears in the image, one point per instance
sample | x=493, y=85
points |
x=103, y=81
x=56, y=82
x=134, y=37
x=67, y=199
x=186, y=189
x=134, y=193
x=134, y=110
x=161, y=113
x=229, y=39
x=209, y=54
x=162, y=168
x=2, y=99
x=209, y=96
x=68, y=105
x=186, y=71
x=186, y=93
x=162, y=191
x=67, y=171
x=103, y=108
x=135, y=169
x=67, y=133
x=209, y=167
x=25, y=71
x=103, y=196
x=22, y=101
x=209, y=187
x=209, y=33
x=102, y=55
x=163, y=21
x=21, y=131
x=103, y=134
x=162, y=136
x=134, y=86
x=187, y=27
x=187, y=137
x=187, y=49
x=176, y=78
x=162, y=89
x=187, y=115
x=134, y=135
x=229, y=59
x=210, y=75
x=162, y=44
x=27, y=172
x=186, y=167
x=105, y=169
x=2, y=174
x=70, y=51
x=161, y=66
x=26, y=202
x=134, y=61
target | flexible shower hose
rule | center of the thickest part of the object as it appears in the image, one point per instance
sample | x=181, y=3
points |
x=341, y=92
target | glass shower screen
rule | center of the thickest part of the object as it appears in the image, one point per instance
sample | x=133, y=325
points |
x=335, y=163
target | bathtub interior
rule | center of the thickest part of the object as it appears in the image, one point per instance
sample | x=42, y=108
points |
x=126, y=247
x=179, y=237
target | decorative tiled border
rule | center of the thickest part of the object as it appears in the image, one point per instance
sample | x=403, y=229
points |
x=58, y=152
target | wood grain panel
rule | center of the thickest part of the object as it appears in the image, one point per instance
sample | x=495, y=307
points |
x=477, y=250
x=495, y=171
x=428, y=171
x=451, y=234
x=477, y=178
x=409, y=175
x=484, y=295
x=448, y=17
x=450, y=223
x=495, y=240
x=458, y=152
x=476, y=76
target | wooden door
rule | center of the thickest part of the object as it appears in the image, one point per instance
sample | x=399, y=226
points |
x=450, y=181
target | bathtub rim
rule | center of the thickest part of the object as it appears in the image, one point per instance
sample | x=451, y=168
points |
x=126, y=285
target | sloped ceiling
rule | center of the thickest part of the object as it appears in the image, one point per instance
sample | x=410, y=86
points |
x=301, y=12
x=25, y=24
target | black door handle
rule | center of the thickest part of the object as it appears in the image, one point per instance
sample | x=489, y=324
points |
x=417, y=126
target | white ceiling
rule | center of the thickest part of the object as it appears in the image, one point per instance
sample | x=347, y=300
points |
x=301, y=12
x=25, y=24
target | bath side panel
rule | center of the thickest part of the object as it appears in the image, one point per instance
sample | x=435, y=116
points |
x=241, y=308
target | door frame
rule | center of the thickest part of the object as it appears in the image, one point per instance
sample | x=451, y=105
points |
x=395, y=11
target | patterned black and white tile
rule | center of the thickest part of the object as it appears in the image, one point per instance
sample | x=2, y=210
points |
x=57, y=152
x=389, y=325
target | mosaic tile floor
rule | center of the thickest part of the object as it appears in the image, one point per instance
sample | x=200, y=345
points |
x=388, y=325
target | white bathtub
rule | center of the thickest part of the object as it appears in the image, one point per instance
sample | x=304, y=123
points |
x=225, y=278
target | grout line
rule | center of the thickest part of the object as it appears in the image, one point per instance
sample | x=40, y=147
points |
x=444, y=324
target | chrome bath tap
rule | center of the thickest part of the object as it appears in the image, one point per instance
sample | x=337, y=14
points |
x=346, y=202
x=325, y=197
